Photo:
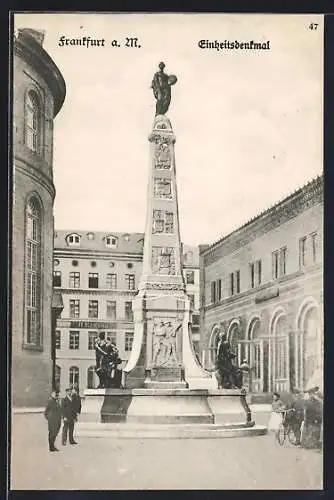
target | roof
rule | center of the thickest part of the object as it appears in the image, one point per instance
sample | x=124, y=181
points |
x=309, y=190
x=96, y=241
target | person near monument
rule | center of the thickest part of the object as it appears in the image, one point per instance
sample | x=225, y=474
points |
x=161, y=85
x=69, y=414
x=52, y=414
x=76, y=398
x=276, y=416
x=297, y=415
x=312, y=419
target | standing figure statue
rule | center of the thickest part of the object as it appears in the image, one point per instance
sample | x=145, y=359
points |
x=230, y=375
x=161, y=85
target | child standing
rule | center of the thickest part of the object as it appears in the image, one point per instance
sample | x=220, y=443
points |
x=276, y=417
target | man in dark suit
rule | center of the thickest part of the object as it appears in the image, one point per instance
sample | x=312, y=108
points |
x=76, y=398
x=52, y=414
x=69, y=415
x=297, y=416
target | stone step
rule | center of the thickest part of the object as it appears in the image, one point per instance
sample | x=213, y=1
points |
x=184, y=431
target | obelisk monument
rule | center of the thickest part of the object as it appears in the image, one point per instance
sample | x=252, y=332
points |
x=162, y=354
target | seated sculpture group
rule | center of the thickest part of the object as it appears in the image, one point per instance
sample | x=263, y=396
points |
x=107, y=361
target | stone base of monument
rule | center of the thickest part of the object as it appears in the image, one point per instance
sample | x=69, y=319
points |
x=166, y=413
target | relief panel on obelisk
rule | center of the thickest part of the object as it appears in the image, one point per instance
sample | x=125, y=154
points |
x=163, y=260
x=163, y=221
x=162, y=156
x=164, y=342
x=162, y=188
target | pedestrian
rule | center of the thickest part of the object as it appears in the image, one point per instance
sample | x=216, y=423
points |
x=312, y=419
x=69, y=415
x=297, y=415
x=76, y=399
x=52, y=414
x=276, y=417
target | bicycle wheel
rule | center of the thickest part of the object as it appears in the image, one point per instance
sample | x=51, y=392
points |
x=281, y=434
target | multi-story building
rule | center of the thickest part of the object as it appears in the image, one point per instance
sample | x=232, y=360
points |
x=97, y=275
x=38, y=95
x=263, y=285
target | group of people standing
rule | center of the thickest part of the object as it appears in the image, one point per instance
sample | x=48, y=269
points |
x=304, y=415
x=64, y=409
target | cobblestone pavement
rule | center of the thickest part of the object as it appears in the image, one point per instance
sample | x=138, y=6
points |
x=97, y=463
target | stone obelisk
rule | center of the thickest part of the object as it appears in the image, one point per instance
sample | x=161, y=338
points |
x=162, y=355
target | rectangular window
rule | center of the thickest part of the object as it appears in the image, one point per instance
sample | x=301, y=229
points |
x=111, y=281
x=74, y=340
x=302, y=252
x=56, y=278
x=128, y=311
x=92, y=336
x=74, y=280
x=58, y=339
x=111, y=309
x=237, y=281
x=112, y=337
x=259, y=272
x=190, y=277
x=93, y=309
x=74, y=308
x=252, y=274
x=93, y=280
x=314, y=240
x=213, y=292
x=282, y=255
x=128, y=341
x=130, y=281
x=275, y=262
x=219, y=290
x=232, y=284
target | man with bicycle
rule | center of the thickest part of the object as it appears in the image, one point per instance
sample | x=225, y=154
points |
x=297, y=415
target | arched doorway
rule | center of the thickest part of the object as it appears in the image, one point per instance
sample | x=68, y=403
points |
x=279, y=352
x=212, y=351
x=256, y=355
x=234, y=336
x=309, y=345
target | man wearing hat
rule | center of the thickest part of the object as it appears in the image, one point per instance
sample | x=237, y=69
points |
x=69, y=413
x=297, y=416
x=312, y=419
x=52, y=414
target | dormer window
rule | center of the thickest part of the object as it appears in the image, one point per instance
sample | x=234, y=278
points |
x=73, y=239
x=111, y=241
x=90, y=236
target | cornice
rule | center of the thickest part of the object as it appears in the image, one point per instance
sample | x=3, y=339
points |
x=32, y=52
x=95, y=254
x=97, y=291
x=306, y=197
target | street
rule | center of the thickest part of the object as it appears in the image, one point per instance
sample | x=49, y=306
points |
x=107, y=464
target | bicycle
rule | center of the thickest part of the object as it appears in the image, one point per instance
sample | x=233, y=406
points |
x=285, y=429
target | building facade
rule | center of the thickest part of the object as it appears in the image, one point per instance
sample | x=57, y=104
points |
x=263, y=285
x=38, y=95
x=98, y=275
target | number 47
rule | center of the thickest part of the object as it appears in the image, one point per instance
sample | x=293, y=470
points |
x=313, y=26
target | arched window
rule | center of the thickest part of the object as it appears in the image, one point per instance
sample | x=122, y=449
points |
x=74, y=375
x=311, y=340
x=33, y=272
x=57, y=377
x=281, y=349
x=91, y=378
x=33, y=121
x=255, y=353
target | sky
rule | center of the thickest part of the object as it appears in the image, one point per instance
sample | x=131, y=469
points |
x=248, y=124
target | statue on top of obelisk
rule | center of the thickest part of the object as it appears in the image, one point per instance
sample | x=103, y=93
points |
x=161, y=85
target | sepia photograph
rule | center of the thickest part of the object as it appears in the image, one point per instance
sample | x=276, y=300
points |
x=167, y=327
